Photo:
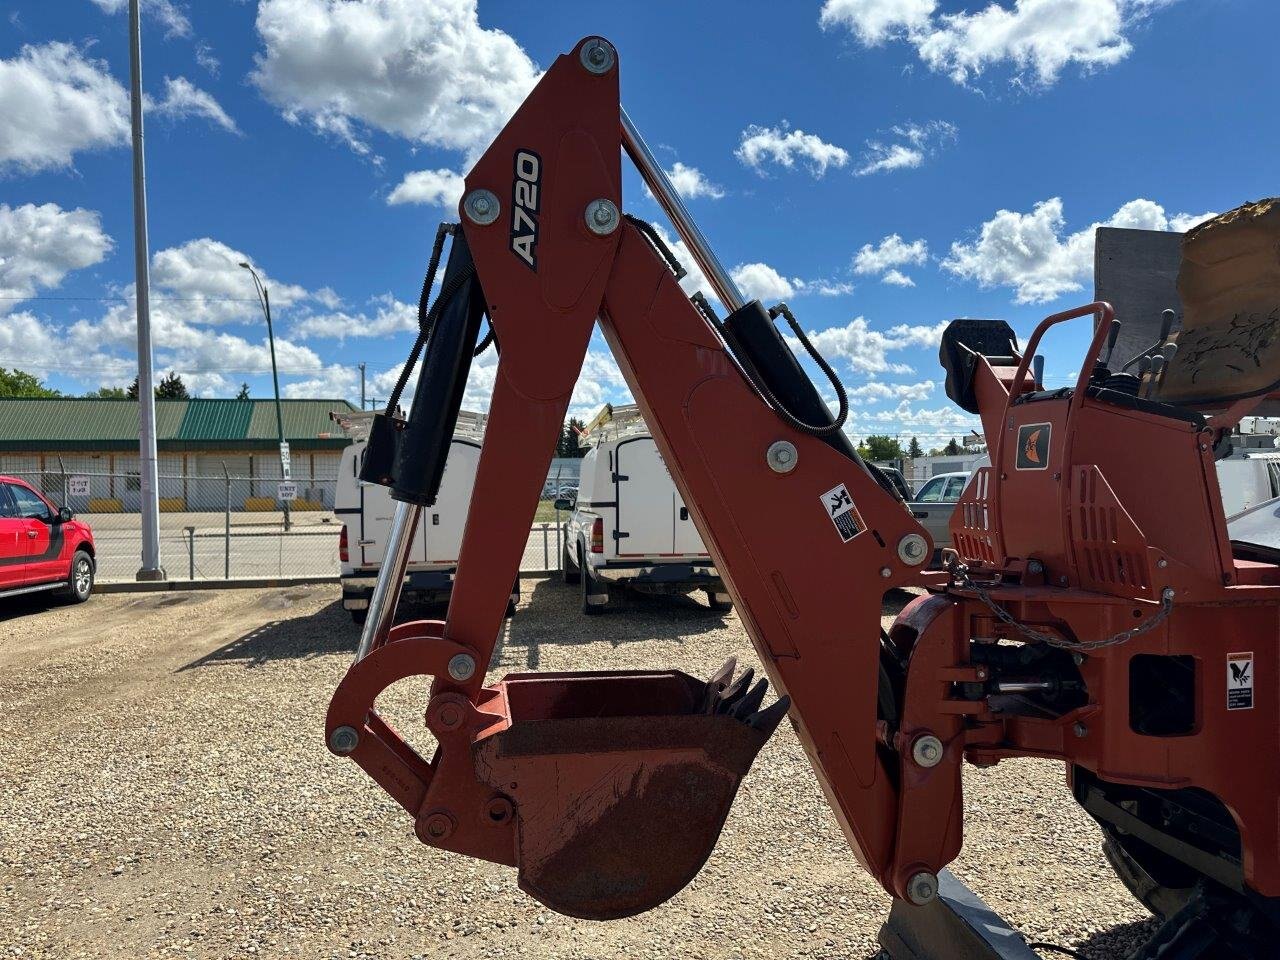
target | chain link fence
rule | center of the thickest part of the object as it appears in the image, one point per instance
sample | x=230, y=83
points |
x=232, y=526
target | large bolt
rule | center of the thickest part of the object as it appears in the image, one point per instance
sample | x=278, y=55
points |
x=462, y=666
x=922, y=888
x=482, y=207
x=927, y=751
x=598, y=56
x=781, y=456
x=912, y=549
x=602, y=217
x=438, y=826
x=344, y=740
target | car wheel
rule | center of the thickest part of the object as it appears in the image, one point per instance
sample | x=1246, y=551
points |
x=719, y=601
x=568, y=572
x=80, y=579
x=589, y=587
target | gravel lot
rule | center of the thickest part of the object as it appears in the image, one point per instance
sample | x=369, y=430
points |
x=165, y=792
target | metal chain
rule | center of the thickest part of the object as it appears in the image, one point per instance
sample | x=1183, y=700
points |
x=960, y=572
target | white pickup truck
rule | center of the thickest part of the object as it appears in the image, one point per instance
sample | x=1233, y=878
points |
x=365, y=511
x=628, y=525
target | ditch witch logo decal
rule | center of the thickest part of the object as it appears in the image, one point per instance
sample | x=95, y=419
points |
x=526, y=196
x=1033, y=446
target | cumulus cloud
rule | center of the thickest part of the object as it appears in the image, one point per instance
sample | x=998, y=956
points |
x=389, y=316
x=427, y=72
x=55, y=102
x=172, y=16
x=206, y=277
x=866, y=350
x=877, y=391
x=1031, y=253
x=907, y=147
x=39, y=245
x=887, y=256
x=1037, y=39
x=437, y=188
x=759, y=281
x=690, y=183
x=183, y=99
x=783, y=146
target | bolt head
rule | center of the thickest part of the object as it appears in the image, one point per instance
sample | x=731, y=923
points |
x=462, y=666
x=438, y=826
x=782, y=456
x=598, y=56
x=886, y=573
x=1035, y=566
x=602, y=217
x=344, y=740
x=482, y=207
x=1162, y=563
x=927, y=751
x=1080, y=730
x=922, y=888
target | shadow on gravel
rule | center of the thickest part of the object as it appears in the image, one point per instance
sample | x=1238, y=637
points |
x=1118, y=942
x=31, y=604
x=552, y=614
x=328, y=631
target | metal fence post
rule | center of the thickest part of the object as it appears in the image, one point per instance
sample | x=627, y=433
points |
x=546, y=560
x=226, y=562
x=63, y=468
x=191, y=552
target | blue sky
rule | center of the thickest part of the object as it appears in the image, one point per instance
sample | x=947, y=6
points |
x=883, y=165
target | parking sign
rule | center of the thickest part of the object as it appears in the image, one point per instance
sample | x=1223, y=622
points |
x=78, y=486
x=286, y=491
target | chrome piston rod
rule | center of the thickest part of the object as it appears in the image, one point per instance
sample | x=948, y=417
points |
x=386, y=592
x=657, y=180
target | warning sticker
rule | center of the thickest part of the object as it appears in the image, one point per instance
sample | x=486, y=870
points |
x=1239, y=681
x=839, y=507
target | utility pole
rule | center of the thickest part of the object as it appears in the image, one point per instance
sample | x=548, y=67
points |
x=362, y=386
x=148, y=481
x=264, y=299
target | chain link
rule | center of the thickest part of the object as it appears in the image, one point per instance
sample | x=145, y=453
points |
x=960, y=572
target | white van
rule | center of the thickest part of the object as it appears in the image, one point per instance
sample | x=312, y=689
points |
x=365, y=511
x=629, y=526
x=1250, y=475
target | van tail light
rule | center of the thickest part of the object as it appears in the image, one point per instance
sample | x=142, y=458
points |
x=342, y=545
x=597, y=536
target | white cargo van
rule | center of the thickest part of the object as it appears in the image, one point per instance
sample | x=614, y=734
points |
x=365, y=511
x=628, y=525
x=1250, y=475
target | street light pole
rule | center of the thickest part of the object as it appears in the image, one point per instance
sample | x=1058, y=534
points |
x=264, y=299
x=148, y=481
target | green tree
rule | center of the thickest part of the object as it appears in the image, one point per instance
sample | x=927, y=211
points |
x=170, y=388
x=913, y=449
x=244, y=392
x=109, y=393
x=567, y=445
x=952, y=448
x=19, y=383
x=880, y=448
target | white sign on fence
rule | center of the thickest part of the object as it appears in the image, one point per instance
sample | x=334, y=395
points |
x=286, y=491
x=77, y=486
x=285, y=460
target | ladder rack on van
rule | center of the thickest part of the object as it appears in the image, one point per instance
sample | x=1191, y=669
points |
x=612, y=423
x=355, y=423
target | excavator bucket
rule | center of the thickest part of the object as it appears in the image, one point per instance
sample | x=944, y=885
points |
x=628, y=778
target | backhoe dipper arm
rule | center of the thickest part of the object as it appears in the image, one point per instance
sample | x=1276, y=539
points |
x=529, y=770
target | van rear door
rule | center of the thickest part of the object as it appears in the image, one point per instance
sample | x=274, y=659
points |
x=688, y=541
x=646, y=497
x=445, y=520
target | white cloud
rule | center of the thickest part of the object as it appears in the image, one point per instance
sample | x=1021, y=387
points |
x=205, y=276
x=1036, y=38
x=877, y=391
x=889, y=254
x=690, y=183
x=1029, y=253
x=170, y=14
x=55, y=102
x=759, y=281
x=427, y=72
x=866, y=350
x=390, y=316
x=916, y=141
x=182, y=99
x=39, y=245
x=783, y=146
x=26, y=341
x=438, y=188
x=208, y=59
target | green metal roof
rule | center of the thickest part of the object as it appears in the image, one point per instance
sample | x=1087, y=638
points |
x=83, y=424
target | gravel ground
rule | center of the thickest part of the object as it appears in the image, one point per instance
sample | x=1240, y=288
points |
x=165, y=792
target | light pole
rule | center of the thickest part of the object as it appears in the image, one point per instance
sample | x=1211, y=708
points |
x=264, y=298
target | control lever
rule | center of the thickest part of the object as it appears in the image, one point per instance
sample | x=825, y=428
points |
x=1157, y=370
x=1166, y=324
x=1112, y=335
x=1037, y=371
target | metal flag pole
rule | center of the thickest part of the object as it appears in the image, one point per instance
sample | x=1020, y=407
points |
x=148, y=480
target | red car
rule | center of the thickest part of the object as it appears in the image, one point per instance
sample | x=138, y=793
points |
x=42, y=547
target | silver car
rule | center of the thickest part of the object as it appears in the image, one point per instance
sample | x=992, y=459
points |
x=934, y=503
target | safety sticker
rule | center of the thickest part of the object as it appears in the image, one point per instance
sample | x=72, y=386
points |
x=1033, y=446
x=839, y=507
x=1239, y=681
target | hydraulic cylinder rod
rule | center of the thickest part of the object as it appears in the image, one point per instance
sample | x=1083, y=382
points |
x=386, y=592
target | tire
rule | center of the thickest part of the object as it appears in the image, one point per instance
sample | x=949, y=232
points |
x=1160, y=884
x=80, y=579
x=358, y=617
x=568, y=572
x=588, y=585
x=720, y=606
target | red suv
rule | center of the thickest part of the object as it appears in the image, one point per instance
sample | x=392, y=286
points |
x=41, y=546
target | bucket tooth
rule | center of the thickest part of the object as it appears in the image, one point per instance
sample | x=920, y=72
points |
x=767, y=720
x=735, y=690
x=750, y=703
